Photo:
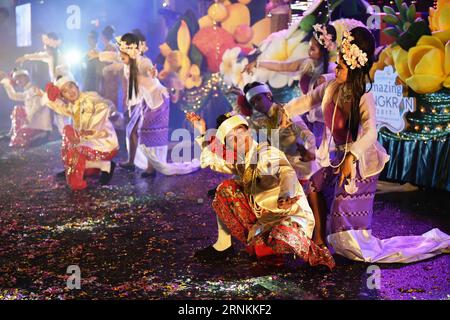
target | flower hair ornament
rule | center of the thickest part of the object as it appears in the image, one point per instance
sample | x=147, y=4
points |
x=143, y=47
x=354, y=57
x=323, y=37
x=49, y=42
x=132, y=50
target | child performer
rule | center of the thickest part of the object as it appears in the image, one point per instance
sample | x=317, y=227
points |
x=297, y=142
x=57, y=65
x=148, y=129
x=313, y=70
x=351, y=172
x=32, y=121
x=91, y=143
x=265, y=205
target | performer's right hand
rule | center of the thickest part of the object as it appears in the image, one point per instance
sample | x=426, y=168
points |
x=197, y=121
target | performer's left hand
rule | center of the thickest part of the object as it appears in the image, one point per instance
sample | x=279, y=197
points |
x=3, y=75
x=345, y=169
x=287, y=203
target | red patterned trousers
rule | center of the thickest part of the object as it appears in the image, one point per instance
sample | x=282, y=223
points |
x=233, y=209
x=75, y=156
x=22, y=137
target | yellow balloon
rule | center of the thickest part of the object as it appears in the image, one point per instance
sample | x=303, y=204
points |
x=165, y=49
x=205, y=21
x=184, y=38
x=261, y=30
x=238, y=15
x=218, y=12
x=245, y=1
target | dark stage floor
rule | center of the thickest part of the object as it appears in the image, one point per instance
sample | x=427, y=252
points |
x=135, y=240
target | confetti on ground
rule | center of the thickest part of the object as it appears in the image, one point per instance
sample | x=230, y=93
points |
x=135, y=239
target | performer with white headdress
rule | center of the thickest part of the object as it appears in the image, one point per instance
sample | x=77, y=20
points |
x=265, y=205
x=91, y=143
x=148, y=100
x=297, y=141
x=57, y=66
x=311, y=71
x=32, y=121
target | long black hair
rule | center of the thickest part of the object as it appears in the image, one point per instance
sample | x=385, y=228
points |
x=325, y=54
x=358, y=78
x=133, y=86
x=140, y=36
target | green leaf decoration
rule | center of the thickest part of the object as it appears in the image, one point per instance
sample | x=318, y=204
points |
x=406, y=26
x=411, y=13
x=389, y=10
x=391, y=19
x=409, y=38
x=392, y=32
x=403, y=11
x=195, y=55
x=307, y=23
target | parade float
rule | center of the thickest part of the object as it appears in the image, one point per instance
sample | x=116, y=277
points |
x=204, y=59
x=415, y=81
x=198, y=48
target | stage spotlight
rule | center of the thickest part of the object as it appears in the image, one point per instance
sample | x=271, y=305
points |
x=73, y=56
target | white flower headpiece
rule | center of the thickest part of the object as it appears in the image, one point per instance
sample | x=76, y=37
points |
x=354, y=57
x=143, y=47
x=52, y=43
x=323, y=37
x=130, y=49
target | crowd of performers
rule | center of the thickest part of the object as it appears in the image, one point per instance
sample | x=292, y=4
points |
x=304, y=174
x=85, y=118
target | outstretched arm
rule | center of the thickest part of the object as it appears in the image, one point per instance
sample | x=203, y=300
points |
x=208, y=158
x=306, y=102
x=11, y=92
x=58, y=105
x=42, y=56
x=107, y=56
x=281, y=66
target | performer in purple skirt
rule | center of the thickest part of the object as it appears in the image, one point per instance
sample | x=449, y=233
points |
x=352, y=159
x=148, y=100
